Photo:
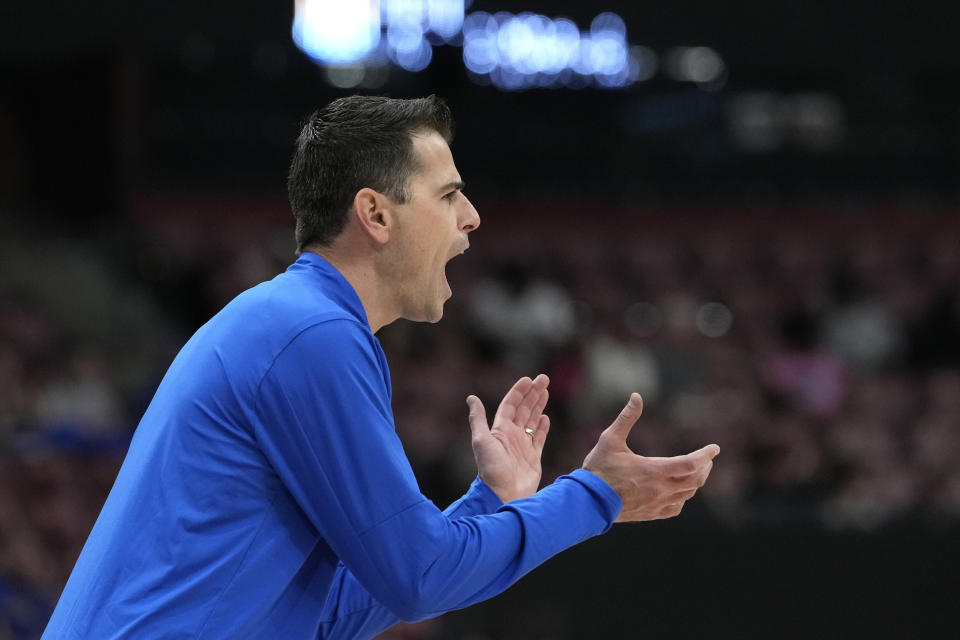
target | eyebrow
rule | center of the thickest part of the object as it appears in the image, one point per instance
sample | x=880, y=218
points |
x=450, y=186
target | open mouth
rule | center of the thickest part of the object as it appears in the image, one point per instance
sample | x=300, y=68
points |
x=460, y=252
x=456, y=254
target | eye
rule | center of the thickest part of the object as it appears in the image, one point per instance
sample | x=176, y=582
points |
x=449, y=196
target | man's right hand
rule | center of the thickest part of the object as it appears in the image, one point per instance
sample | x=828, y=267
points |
x=651, y=488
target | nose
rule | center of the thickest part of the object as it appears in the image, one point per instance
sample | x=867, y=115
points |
x=469, y=218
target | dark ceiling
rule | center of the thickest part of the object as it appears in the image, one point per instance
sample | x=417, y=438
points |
x=116, y=95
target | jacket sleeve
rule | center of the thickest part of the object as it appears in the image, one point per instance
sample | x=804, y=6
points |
x=351, y=612
x=326, y=425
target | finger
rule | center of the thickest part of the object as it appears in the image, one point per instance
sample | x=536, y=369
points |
x=683, y=496
x=624, y=422
x=541, y=381
x=541, y=403
x=710, y=451
x=540, y=437
x=702, y=478
x=671, y=510
x=477, y=417
x=692, y=481
x=529, y=417
x=692, y=463
x=527, y=412
x=508, y=406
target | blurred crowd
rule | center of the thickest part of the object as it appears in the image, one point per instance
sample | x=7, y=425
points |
x=823, y=358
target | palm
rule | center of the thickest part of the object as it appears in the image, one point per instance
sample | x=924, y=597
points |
x=508, y=458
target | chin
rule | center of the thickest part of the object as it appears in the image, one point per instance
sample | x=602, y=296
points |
x=435, y=312
x=426, y=314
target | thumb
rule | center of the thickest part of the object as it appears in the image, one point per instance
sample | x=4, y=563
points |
x=624, y=422
x=477, y=417
x=710, y=451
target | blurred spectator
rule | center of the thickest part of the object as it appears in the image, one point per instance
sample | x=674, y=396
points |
x=80, y=399
x=859, y=326
x=519, y=315
x=616, y=368
x=679, y=356
x=801, y=376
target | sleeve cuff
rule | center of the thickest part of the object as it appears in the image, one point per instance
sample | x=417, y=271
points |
x=484, y=495
x=479, y=499
x=609, y=500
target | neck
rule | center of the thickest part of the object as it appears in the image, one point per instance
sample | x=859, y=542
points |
x=360, y=271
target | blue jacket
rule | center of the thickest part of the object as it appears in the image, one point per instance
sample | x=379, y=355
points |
x=266, y=494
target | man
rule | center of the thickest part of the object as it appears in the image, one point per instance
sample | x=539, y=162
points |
x=265, y=493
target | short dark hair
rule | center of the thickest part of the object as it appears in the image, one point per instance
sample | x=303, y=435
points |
x=352, y=143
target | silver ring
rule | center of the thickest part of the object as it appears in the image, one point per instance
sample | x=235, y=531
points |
x=529, y=431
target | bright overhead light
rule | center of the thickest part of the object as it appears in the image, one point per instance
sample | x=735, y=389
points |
x=512, y=52
x=332, y=31
x=527, y=50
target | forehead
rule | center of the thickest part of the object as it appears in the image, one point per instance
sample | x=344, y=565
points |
x=436, y=160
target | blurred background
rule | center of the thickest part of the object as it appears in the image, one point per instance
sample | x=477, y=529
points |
x=747, y=211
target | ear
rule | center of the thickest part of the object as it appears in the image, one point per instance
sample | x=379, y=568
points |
x=373, y=211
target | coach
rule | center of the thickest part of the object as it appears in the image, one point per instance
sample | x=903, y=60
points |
x=265, y=493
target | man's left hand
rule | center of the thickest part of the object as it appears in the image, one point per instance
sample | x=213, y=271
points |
x=508, y=454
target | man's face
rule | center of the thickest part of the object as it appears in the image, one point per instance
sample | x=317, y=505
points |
x=432, y=228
